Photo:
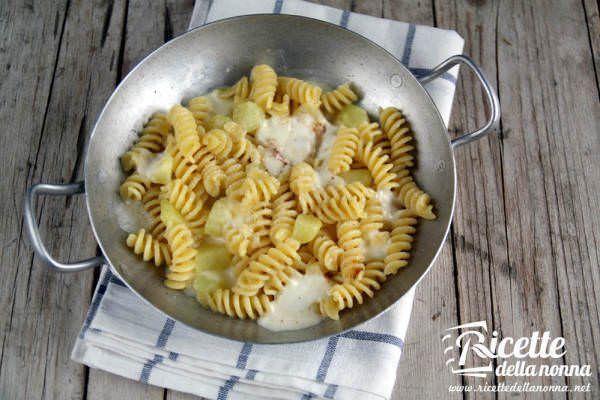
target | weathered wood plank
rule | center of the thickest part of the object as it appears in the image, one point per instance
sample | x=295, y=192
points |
x=61, y=52
x=592, y=13
x=479, y=226
x=551, y=174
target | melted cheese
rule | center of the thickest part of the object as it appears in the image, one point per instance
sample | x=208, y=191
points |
x=132, y=217
x=388, y=203
x=293, y=307
x=288, y=141
x=220, y=106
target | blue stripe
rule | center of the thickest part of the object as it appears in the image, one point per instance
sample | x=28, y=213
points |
x=147, y=368
x=251, y=374
x=243, y=357
x=345, y=18
x=116, y=281
x=327, y=357
x=224, y=390
x=410, y=37
x=165, y=333
x=95, y=304
x=374, y=337
x=330, y=392
x=241, y=364
x=421, y=72
x=160, y=343
x=307, y=396
x=277, y=7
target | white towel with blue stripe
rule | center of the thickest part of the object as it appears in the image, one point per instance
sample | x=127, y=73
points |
x=125, y=336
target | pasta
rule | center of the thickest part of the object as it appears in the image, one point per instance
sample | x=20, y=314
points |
x=327, y=252
x=401, y=239
x=153, y=139
x=398, y=132
x=181, y=269
x=302, y=183
x=264, y=85
x=344, y=150
x=201, y=108
x=185, y=129
x=377, y=164
x=239, y=306
x=134, y=187
x=338, y=98
x=253, y=189
x=144, y=244
x=300, y=91
x=284, y=215
x=353, y=258
x=239, y=91
x=412, y=197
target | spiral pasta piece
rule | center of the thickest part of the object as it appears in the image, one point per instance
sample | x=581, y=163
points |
x=335, y=208
x=300, y=91
x=336, y=99
x=326, y=252
x=400, y=136
x=284, y=215
x=401, y=240
x=185, y=128
x=377, y=164
x=281, y=108
x=153, y=139
x=370, y=132
x=134, y=187
x=343, y=150
x=234, y=175
x=239, y=91
x=260, y=226
x=213, y=177
x=264, y=86
x=189, y=205
x=412, y=197
x=258, y=186
x=302, y=182
x=150, y=249
x=201, y=108
x=219, y=143
x=234, y=305
x=350, y=240
x=372, y=223
x=151, y=203
x=280, y=279
x=254, y=277
x=243, y=149
x=237, y=239
x=183, y=260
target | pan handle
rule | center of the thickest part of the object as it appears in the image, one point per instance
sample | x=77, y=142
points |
x=491, y=97
x=34, y=232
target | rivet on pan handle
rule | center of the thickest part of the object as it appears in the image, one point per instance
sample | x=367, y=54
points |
x=492, y=98
x=34, y=233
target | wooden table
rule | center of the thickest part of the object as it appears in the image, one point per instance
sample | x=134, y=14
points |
x=523, y=250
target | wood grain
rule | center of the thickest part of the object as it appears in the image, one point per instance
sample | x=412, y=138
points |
x=523, y=252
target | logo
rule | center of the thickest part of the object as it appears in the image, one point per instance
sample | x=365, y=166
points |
x=511, y=356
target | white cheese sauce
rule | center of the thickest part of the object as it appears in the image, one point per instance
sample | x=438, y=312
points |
x=288, y=141
x=293, y=308
x=220, y=106
x=132, y=217
x=388, y=203
x=375, y=247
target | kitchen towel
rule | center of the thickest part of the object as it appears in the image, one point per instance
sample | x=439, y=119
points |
x=123, y=335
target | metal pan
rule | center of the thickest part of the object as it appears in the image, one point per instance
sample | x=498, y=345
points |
x=218, y=54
